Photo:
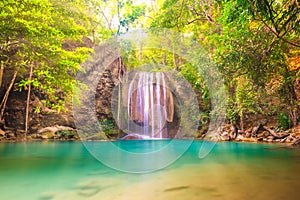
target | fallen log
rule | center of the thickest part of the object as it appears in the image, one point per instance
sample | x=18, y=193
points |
x=272, y=132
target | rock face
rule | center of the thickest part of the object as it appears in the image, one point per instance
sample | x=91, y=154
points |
x=15, y=114
x=104, y=91
x=14, y=118
x=101, y=84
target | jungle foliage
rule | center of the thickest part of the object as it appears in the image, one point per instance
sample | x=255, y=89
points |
x=255, y=44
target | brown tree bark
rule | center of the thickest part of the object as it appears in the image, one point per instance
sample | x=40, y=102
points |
x=1, y=73
x=273, y=133
x=28, y=100
x=5, y=98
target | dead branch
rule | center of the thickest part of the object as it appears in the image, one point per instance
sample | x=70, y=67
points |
x=272, y=132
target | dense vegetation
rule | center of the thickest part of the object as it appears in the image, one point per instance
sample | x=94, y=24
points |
x=254, y=43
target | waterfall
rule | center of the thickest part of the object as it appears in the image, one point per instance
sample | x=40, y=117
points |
x=149, y=105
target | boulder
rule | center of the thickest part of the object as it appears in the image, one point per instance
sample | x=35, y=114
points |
x=240, y=137
x=260, y=139
x=44, y=136
x=10, y=135
x=2, y=133
x=288, y=139
x=270, y=139
x=283, y=140
x=263, y=134
x=248, y=134
x=225, y=136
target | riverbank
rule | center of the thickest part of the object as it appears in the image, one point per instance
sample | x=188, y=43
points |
x=259, y=134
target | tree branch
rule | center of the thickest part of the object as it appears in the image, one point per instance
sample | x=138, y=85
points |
x=270, y=28
x=197, y=19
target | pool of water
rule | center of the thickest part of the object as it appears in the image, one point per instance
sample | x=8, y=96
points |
x=66, y=170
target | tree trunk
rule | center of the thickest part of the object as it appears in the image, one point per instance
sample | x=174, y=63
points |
x=164, y=59
x=141, y=52
x=242, y=121
x=27, y=102
x=273, y=133
x=293, y=116
x=1, y=73
x=234, y=131
x=3, y=103
x=174, y=60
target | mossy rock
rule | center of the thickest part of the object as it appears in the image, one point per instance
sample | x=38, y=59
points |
x=95, y=136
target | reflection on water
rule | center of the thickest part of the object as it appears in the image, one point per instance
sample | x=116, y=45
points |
x=65, y=170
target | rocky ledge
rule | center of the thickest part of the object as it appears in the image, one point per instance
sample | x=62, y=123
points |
x=256, y=134
x=53, y=133
x=261, y=133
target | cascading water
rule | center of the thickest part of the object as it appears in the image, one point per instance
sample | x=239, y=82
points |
x=149, y=106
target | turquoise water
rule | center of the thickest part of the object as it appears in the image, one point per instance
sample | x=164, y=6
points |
x=66, y=170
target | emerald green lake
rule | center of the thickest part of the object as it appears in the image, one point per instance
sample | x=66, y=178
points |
x=66, y=170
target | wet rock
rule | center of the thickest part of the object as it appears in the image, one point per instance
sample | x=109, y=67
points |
x=225, y=136
x=260, y=135
x=260, y=139
x=292, y=135
x=44, y=136
x=296, y=143
x=263, y=134
x=37, y=136
x=28, y=137
x=270, y=139
x=288, y=139
x=232, y=135
x=2, y=133
x=234, y=131
x=283, y=140
x=51, y=136
x=293, y=139
x=10, y=135
x=95, y=136
x=248, y=133
x=240, y=137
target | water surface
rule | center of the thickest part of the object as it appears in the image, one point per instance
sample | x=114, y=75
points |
x=66, y=170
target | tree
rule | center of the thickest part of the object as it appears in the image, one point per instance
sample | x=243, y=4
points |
x=250, y=40
x=257, y=41
x=32, y=34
